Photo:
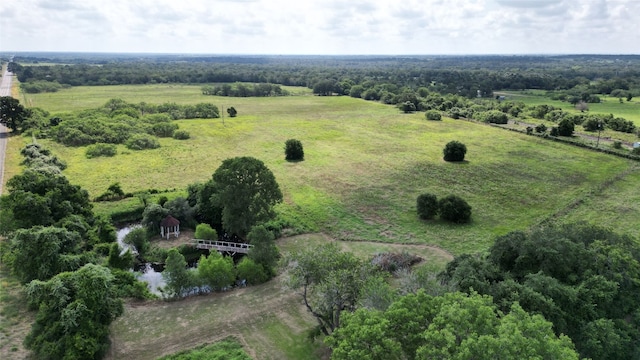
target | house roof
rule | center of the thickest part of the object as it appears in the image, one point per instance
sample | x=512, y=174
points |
x=169, y=221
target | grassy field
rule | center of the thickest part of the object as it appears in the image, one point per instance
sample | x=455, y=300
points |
x=365, y=164
x=629, y=110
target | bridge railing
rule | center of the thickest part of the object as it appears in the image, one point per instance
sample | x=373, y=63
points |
x=222, y=245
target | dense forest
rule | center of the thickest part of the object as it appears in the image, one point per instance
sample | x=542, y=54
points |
x=463, y=75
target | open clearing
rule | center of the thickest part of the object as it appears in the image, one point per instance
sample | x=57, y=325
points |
x=269, y=320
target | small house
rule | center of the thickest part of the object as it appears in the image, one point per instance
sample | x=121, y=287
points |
x=169, y=226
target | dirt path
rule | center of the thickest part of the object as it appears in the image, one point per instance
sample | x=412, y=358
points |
x=252, y=315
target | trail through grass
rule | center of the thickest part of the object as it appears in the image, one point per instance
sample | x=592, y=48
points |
x=269, y=319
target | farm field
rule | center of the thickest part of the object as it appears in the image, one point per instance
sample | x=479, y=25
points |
x=365, y=164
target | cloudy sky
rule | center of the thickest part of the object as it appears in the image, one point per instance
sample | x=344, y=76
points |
x=322, y=26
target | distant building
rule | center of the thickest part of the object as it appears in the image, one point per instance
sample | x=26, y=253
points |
x=636, y=145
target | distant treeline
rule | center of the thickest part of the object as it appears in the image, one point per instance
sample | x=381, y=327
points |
x=244, y=90
x=461, y=75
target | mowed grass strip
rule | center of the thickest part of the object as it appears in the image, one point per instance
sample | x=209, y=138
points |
x=365, y=164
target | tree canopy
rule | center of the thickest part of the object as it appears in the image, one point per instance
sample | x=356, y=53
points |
x=12, y=114
x=246, y=190
x=582, y=278
x=40, y=198
x=74, y=313
x=453, y=326
x=330, y=282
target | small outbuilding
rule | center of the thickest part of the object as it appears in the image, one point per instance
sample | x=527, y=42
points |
x=636, y=145
x=169, y=226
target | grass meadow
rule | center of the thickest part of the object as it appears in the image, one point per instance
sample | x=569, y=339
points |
x=365, y=164
x=629, y=110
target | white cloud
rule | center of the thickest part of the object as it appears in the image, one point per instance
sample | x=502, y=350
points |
x=322, y=26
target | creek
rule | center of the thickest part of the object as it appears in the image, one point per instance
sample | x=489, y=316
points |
x=146, y=271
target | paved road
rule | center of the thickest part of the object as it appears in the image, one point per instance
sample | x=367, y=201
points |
x=5, y=90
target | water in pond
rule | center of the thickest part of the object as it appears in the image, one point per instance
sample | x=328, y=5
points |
x=147, y=273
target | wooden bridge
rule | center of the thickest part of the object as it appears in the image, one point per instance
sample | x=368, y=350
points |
x=222, y=246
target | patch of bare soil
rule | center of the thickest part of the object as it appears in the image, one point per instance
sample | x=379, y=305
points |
x=185, y=237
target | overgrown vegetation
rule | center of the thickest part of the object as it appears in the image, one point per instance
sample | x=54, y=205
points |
x=582, y=278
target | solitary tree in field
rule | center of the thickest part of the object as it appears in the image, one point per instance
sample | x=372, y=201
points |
x=454, y=151
x=293, y=150
x=246, y=190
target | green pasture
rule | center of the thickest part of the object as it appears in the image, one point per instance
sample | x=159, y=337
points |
x=84, y=97
x=629, y=110
x=365, y=164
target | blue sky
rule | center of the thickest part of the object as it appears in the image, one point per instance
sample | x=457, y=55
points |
x=323, y=27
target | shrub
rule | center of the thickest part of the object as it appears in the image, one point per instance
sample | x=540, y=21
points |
x=554, y=131
x=565, y=128
x=592, y=124
x=163, y=129
x=454, y=151
x=181, y=135
x=97, y=150
x=206, y=232
x=433, y=115
x=427, y=205
x=455, y=209
x=252, y=272
x=617, y=145
x=492, y=116
x=541, y=128
x=293, y=150
x=141, y=142
x=635, y=151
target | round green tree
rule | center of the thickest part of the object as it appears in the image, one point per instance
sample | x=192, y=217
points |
x=454, y=151
x=293, y=150
x=455, y=209
x=427, y=205
x=247, y=191
x=565, y=128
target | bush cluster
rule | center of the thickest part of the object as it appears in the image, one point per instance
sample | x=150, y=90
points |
x=97, y=150
x=450, y=208
x=433, y=115
x=37, y=157
x=181, y=135
x=141, y=142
